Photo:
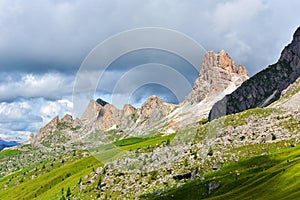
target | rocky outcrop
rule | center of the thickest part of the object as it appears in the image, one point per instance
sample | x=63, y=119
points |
x=128, y=110
x=101, y=102
x=265, y=87
x=292, y=88
x=218, y=72
x=101, y=114
x=290, y=98
x=54, y=125
x=153, y=110
x=242, y=71
x=48, y=129
x=67, y=119
x=108, y=116
x=128, y=116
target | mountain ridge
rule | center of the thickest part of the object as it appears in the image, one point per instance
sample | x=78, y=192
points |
x=5, y=144
x=219, y=75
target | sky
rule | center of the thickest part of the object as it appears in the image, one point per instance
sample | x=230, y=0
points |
x=44, y=43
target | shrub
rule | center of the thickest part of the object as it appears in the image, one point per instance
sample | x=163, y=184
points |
x=68, y=192
x=210, y=152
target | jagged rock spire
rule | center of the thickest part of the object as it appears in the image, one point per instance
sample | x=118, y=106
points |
x=218, y=71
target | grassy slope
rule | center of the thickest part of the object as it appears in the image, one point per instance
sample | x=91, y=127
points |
x=275, y=176
x=49, y=184
x=8, y=152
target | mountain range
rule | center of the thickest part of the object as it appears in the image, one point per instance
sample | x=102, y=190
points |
x=219, y=75
x=233, y=137
x=4, y=144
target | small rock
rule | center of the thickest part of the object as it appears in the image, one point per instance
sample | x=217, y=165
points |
x=99, y=170
x=216, y=167
x=212, y=186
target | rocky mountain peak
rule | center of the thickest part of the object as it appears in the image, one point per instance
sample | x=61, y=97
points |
x=108, y=116
x=242, y=71
x=67, y=119
x=55, y=124
x=154, y=109
x=128, y=109
x=92, y=110
x=296, y=36
x=224, y=61
x=47, y=129
x=218, y=72
x=291, y=53
x=101, y=102
x=153, y=100
x=266, y=86
x=152, y=104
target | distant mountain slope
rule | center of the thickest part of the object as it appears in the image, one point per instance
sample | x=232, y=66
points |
x=4, y=144
x=265, y=87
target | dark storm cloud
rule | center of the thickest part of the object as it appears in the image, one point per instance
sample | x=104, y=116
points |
x=57, y=35
x=136, y=58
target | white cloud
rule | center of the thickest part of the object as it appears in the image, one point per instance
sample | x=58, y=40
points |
x=49, y=85
x=55, y=108
x=13, y=111
x=50, y=109
x=66, y=102
x=25, y=116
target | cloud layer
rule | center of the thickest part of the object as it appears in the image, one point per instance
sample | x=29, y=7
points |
x=40, y=36
x=49, y=86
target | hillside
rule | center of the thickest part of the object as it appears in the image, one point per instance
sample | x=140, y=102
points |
x=166, y=151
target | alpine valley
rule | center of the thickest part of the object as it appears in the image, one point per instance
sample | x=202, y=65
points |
x=233, y=137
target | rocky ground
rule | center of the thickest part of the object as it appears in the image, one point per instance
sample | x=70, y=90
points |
x=228, y=139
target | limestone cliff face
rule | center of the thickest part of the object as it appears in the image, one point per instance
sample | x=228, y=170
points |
x=218, y=71
x=265, y=87
x=92, y=110
x=101, y=114
x=107, y=117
